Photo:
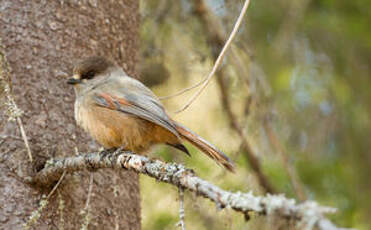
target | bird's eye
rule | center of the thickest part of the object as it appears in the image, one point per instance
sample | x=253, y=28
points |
x=88, y=75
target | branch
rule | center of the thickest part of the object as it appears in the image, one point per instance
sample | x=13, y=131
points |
x=308, y=214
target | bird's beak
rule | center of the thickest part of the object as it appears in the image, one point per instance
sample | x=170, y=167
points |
x=74, y=80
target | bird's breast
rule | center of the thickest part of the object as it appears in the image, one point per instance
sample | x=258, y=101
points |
x=114, y=129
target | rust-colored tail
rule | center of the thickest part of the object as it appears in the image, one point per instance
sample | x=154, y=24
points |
x=209, y=149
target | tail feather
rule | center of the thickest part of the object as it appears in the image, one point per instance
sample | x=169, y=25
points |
x=209, y=149
x=181, y=147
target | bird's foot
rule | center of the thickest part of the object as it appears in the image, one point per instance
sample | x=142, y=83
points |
x=113, y=151
x=107, y=152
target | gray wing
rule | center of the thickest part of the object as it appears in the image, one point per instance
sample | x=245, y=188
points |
x=132, y=97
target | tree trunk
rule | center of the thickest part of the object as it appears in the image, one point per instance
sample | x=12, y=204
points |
x=42, y=40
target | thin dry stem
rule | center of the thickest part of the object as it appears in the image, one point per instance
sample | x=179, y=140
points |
x=220, y=57
x=12, y=110
x=216, y=35
x=183, y=90
x=86, y=211
x=89, y=191
x=56, y=185
x=35, y=215
x=24, y=137
x=204, y=82
x=181, y=209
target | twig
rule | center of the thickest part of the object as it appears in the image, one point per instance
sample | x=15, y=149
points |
x=24, y=136
x=181, y=209
x=86, y=210
x=35, y=216
x=89, y=191
x=56, y=185
x=216, y=36
x=183, y=90
x=218, y=61
x=220, y=57
x=12, y=110
x=308, y=214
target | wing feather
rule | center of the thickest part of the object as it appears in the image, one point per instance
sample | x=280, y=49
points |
x=142, y=106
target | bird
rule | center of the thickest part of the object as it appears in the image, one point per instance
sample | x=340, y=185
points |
x=119, y=111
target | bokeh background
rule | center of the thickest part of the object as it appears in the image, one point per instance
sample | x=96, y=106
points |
x=293, y=93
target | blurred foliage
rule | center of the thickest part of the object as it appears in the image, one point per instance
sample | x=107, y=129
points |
x=308, y=65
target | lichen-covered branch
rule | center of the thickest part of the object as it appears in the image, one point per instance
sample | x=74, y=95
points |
x=308, y=214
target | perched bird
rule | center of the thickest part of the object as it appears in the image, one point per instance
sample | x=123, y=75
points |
x=119, y=111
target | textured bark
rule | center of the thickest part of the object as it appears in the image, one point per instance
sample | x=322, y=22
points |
x=42, y=40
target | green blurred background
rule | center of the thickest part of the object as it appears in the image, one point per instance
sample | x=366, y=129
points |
x=297, y=81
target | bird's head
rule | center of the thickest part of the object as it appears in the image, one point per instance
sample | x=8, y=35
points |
x=89, y=68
